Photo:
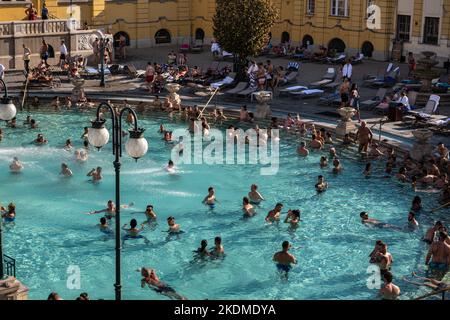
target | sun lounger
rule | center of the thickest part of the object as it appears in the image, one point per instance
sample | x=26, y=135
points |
x=430, y=108
x=246, y=92
x=331, y=99
x=226, y=81
x=291, y=89
x=289, y=78
x=310, y=93
x=370, y=104
x=358, y=59
x=239, y=87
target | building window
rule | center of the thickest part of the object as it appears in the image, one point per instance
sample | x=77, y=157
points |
x=339, y=8
x=431, y=31
x=403, y=27
x=310, y=7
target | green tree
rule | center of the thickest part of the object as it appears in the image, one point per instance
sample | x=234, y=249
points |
x=242, y=27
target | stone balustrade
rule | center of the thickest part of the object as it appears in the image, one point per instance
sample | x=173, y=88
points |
x=37, y=27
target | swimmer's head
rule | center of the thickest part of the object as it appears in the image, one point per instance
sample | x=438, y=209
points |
x=388, y=277
x=102, y=221
x=133, y=223
x=99, y=169
x=171, y=220
x=16, y=159
x=285, y=245
x=63, y=166
x=217, y=240
x=254, y=187
x=296, y=213
x=11, y=207
x=150, y=207
x=211, y=190
x=245, y=200
x=170, y=163
x=364, y=215
x=302, y=144
x=204, y=243
x=110, y=204
x=411, y=216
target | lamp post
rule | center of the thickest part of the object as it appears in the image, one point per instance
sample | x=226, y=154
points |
x=102, y=62
x=136, y=147
x=7, y=112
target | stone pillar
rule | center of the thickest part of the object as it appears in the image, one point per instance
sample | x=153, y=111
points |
x=142, y=29
x=262, y=108
x=13, y=289
x=421, y=148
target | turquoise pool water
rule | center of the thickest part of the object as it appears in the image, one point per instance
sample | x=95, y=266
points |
x=51, y=232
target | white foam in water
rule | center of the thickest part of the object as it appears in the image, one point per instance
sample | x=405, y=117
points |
x=180, y=193
x=141, y=171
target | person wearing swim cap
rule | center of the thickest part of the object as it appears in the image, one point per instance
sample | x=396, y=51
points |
x=284, y=259
x=254, y=196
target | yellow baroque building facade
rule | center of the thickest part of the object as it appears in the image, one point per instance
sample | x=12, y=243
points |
x=368, y=26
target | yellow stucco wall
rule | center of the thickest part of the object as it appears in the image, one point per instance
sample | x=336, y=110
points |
x=141, y=19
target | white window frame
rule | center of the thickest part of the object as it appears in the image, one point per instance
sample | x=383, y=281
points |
x=335, y=7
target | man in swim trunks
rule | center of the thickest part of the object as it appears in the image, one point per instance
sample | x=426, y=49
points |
x=373, y=222
x=110, y=210
x=364, y=135
x=302, y=150
x=254, y=196
x=96, y=174
x=439, y=254
x=151, y=279
x=383, y=259
x=274, y=215
x=218, y=250
x=389, y=291
x=284, y=259
x=321, y=185
x=173, y=227
x=210, y=199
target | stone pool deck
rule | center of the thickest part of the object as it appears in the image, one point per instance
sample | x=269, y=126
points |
x=119, y=87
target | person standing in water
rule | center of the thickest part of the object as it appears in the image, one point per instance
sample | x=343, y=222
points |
x=284, y=259
x=248, y=209
x=16, y=165
x=254, y=196
x=65, y=171
x=96, y=174
x=173, y=227
x=218, y=250
x=274, y=215
x=389, y=291
x=210, y=199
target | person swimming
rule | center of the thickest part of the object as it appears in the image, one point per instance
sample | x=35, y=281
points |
x=274, y=215
x=65, y=171
x=68, y=146
x=170, y=167
x=150, y=278
x=218, y=250
x=247, y=208
x=293, y=218
x=110, y=210
x=96, y=174
x=8, y=214
x=366, y=220
x=323, y=162
x=254, y=196
x=284, y=259
x=104, y=227
x=321, y=185
x=203, y=250
x=40, y=140
x=210, y=199
x=174, y=228
x=16, y=166
x=150, y=214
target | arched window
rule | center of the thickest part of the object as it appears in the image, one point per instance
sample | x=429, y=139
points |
x=337, y=44
x=307, y=40
x=117, y=38
x=367, y=49
x=199, y=34
x=162, y=36
x=285, y=37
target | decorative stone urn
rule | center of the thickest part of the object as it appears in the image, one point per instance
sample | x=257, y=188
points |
x=345, y=125
x=78, y=90
x=421, y=148
x=174, y=97
x=262, y=108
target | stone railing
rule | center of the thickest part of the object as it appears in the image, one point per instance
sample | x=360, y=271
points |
x=33, y=27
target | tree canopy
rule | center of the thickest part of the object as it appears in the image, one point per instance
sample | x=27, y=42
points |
x=242, y=26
